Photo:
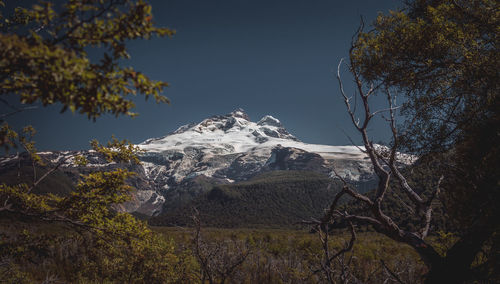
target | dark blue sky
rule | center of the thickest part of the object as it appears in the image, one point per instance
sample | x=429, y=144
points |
x=265, y=56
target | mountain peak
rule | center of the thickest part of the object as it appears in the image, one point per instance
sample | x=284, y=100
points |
x=269, y=120
x=230, y=133
x=239, y=112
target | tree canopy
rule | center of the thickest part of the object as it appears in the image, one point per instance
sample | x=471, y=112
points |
x=444, y=56
x=441, y=58
x=45, y=55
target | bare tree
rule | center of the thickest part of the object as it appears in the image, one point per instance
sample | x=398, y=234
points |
x=386, y=164
x=218, y=259
x=334, y=265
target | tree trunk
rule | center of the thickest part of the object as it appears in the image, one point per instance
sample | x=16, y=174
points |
x=456, y=266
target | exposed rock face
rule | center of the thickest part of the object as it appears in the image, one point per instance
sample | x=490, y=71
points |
x=295, y=159
x=220, y=149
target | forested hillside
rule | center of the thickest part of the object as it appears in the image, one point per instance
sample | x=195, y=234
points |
x=274, y=199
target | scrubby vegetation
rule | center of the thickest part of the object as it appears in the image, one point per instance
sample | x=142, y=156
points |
x=54, y=253
x=293, y=256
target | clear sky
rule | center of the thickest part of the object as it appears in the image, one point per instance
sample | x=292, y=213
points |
x=272, y=57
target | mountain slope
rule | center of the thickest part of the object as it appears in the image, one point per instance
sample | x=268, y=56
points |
x=273, y=199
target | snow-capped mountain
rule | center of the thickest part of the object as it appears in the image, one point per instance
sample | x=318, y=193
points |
x=217, y=150
x=232, y=148
x=219, y=145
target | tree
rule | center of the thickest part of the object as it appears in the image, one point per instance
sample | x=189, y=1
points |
x=218, y=260
x=441, y=56
x=44, y=53
x=444, y=56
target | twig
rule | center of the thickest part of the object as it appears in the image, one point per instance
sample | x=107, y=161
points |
x=394, y=275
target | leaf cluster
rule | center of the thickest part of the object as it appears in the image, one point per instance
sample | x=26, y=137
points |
x=46, y=49
x=443, y=55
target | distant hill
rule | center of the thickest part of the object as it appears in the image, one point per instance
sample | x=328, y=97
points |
x=273, y=199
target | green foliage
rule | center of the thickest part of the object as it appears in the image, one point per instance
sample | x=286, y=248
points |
x=444, y=56
x=8, y=136
x=44, y=58
x=77, y=236
x=116, y=247
x=118, y=151
x=44, y=51
x=444, y=241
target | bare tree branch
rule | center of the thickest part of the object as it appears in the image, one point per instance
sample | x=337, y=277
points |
x=59, y=164
x=4, y=115
x=394, y=275
x=346, y=99
x=428, y=211
x=217, y=261
x=385, y=165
